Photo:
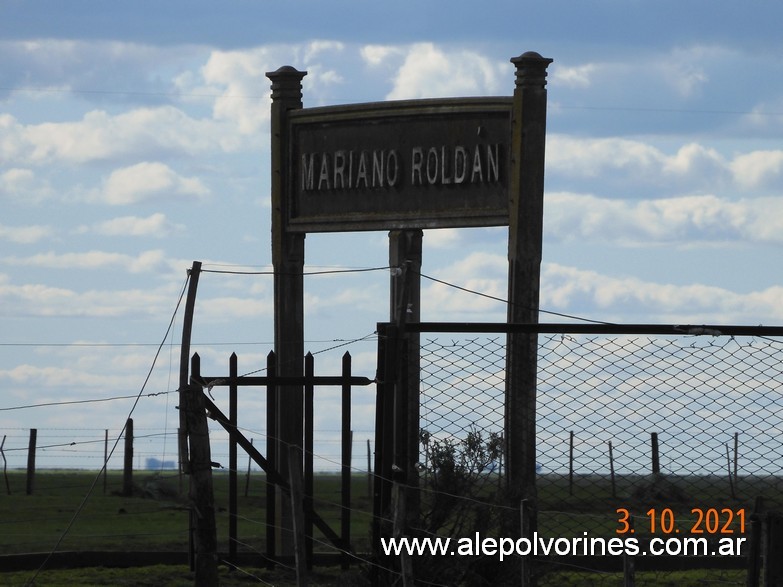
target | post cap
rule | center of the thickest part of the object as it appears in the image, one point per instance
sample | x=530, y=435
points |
x=531, y=69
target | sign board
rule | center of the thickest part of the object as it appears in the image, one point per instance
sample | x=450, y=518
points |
x=399, y=165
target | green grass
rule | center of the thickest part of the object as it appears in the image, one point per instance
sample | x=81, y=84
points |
x=161, y=576
x=109, y=522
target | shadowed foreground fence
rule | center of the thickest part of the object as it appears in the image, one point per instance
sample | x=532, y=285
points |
x=637, y=436
x=663, y=434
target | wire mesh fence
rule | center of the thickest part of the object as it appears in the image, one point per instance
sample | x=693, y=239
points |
x=655, y=435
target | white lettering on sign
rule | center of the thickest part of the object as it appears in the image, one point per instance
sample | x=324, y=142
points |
x=383, y=168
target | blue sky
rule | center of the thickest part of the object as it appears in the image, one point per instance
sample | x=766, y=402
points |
x=134, y=139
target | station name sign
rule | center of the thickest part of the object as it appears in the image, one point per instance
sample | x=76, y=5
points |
x=396, y=165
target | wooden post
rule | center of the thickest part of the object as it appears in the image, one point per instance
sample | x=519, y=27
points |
x=629, y=565
x=288, y=261
x=5, y=467
x=384, y=447
x=526, y=212
x=247, y=478
x=271, y=452
x=400, y=516
x=728, y=469
x=345, y=465
x=611, y=469
x=773, y=561
x=127, y=470
x=297, y=514
x=755, y=554
x=309, y=481
x=526, y=580
x=656, y=465
x=31, y=461
x=184, y=361
x=201, y=490
x=232, y=460
x=405, y=259
x=105, y=459
x=571, y=463
x=369, y=472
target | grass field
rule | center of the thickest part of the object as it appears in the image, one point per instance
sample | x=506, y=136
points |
x=155, y=520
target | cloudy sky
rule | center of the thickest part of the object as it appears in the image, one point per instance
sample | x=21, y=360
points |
x=134, y=139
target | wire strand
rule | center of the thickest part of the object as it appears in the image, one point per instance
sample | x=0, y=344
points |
x=83, y=503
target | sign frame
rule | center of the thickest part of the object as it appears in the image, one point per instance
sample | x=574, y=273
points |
x=410, y=164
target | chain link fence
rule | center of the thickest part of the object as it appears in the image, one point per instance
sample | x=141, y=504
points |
x=665, y=435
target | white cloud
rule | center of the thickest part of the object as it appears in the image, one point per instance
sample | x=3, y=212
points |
x=431, y=72
x=685, y=220
x=21, y=184
x=575, y=290
x=100, y=136
x=375, y=55
x=591, y=294
x=147, y=261
x=149, y=181
x=596, y=158
x=758, y=168
x=240, y=76
x=59, y=377
x=639, y=164
x=25, y=234
x=579, y=76
x=478, y=272
x=41, y=300
x=155, y=225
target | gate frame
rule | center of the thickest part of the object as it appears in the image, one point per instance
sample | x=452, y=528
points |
x=277, y=483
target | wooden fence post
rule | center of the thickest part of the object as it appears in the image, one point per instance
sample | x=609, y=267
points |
x=369, y=472
x=611, y=469
x=105, y=458
x=629, y=565
x=232, y=461
x=5, y=467
x=773, y=562
x=656, y=466
x=297, y=513
x=271, y=456
x=400, y=516
x=571, y=463
x=345, y=465
x=201, y=491
x=127, y=472
x=754, y=546
x=247, y=478
x=31, y=461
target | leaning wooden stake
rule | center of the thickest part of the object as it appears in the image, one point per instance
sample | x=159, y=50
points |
x=611, y=469
x=202, y=500
x=5, y=467
x=728, y=467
